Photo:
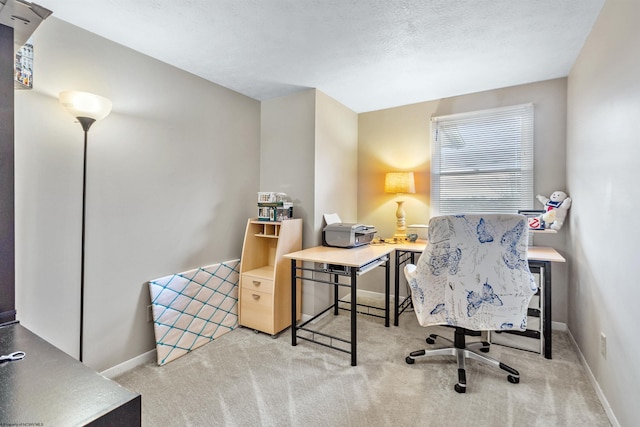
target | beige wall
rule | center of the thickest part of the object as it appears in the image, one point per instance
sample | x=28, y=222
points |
x=399, y=139
x=336, y=161
x=603, y=153
x=173, y=174
x=287, y=150
x=395, y=139
x=308, y=150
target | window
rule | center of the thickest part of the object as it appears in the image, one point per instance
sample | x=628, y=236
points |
x=482, y=161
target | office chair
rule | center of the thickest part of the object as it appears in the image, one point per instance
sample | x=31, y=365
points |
x=474, y=276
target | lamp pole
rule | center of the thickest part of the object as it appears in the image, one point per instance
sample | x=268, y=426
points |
x=86, y=108
x=86, y=123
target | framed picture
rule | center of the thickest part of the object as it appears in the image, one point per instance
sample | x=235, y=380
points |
x=23, y=69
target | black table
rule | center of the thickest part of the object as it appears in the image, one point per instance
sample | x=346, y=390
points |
x=50, y=388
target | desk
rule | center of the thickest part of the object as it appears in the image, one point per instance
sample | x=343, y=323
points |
x=337, y=262
x=540, y=258
x=404, y=252
x=48, y=387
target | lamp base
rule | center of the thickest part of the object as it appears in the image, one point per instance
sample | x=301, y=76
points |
x=401, y=223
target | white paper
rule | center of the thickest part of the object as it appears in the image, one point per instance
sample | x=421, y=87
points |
x=332, y=218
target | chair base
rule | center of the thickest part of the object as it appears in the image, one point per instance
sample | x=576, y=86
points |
x=463, y=351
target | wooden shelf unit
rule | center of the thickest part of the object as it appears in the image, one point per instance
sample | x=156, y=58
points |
x=265, y=275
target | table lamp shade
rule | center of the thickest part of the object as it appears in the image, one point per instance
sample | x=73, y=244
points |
x=84, y=104
x=399, y=183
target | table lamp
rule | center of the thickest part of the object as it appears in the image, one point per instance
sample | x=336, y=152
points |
x=400, y=183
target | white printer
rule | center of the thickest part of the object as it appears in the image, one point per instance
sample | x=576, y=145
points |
x=347, y=235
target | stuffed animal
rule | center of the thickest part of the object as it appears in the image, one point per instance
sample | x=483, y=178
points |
x=556, y=207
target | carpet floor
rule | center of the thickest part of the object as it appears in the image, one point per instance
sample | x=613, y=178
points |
x=246, y=378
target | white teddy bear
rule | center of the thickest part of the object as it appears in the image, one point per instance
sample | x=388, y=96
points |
x=556, y=207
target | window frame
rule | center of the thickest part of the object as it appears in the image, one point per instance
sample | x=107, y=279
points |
x=478, y=176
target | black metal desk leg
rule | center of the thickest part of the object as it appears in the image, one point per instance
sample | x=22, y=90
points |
x=354, y=339
x=396, y=290
x=386, y=294
x=293, y=303
x=335, y=295
x=546, y=330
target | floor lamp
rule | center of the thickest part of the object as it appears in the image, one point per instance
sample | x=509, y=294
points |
x=87, y=108
x=400, y=183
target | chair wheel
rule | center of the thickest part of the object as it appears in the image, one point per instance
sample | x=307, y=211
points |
x=484, y=349
x=430, y=340
x=513, y=380
x=459, y=388
x=410, y=360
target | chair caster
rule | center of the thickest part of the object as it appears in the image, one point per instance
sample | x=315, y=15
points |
x=410, y=360
x=459, y=388
x=431, y=339
x=512, y=379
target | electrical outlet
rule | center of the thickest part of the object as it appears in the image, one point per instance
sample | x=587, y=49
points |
x=603, y=345
x=149, y=313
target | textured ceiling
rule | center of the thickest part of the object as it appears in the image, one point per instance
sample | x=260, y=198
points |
x=367, y=54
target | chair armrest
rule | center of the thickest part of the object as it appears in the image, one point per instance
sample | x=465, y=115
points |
x=410, y=271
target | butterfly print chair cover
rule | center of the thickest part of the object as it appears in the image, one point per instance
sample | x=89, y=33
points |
x=474, y=273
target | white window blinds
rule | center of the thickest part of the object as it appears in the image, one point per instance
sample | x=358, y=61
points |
x=482, y=161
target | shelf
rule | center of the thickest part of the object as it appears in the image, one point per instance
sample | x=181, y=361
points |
x=266, y=236
x=545, y=231
x=265, y=275
x=266, y=272
x=267, y=229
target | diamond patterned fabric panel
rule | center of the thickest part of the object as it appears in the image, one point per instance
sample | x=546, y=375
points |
x=193, y=308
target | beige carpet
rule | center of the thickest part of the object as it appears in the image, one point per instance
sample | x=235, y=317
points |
x=250, y=379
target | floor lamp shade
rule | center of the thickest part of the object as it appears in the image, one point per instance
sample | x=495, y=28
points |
x=85, y=104
x=400, y=183
x=87, y=108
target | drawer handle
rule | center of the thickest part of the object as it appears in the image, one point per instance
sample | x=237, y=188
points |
x=256, y=283
x=255, y=296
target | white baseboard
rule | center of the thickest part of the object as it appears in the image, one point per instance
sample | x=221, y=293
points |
x=605, y=403
x=125, y=366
